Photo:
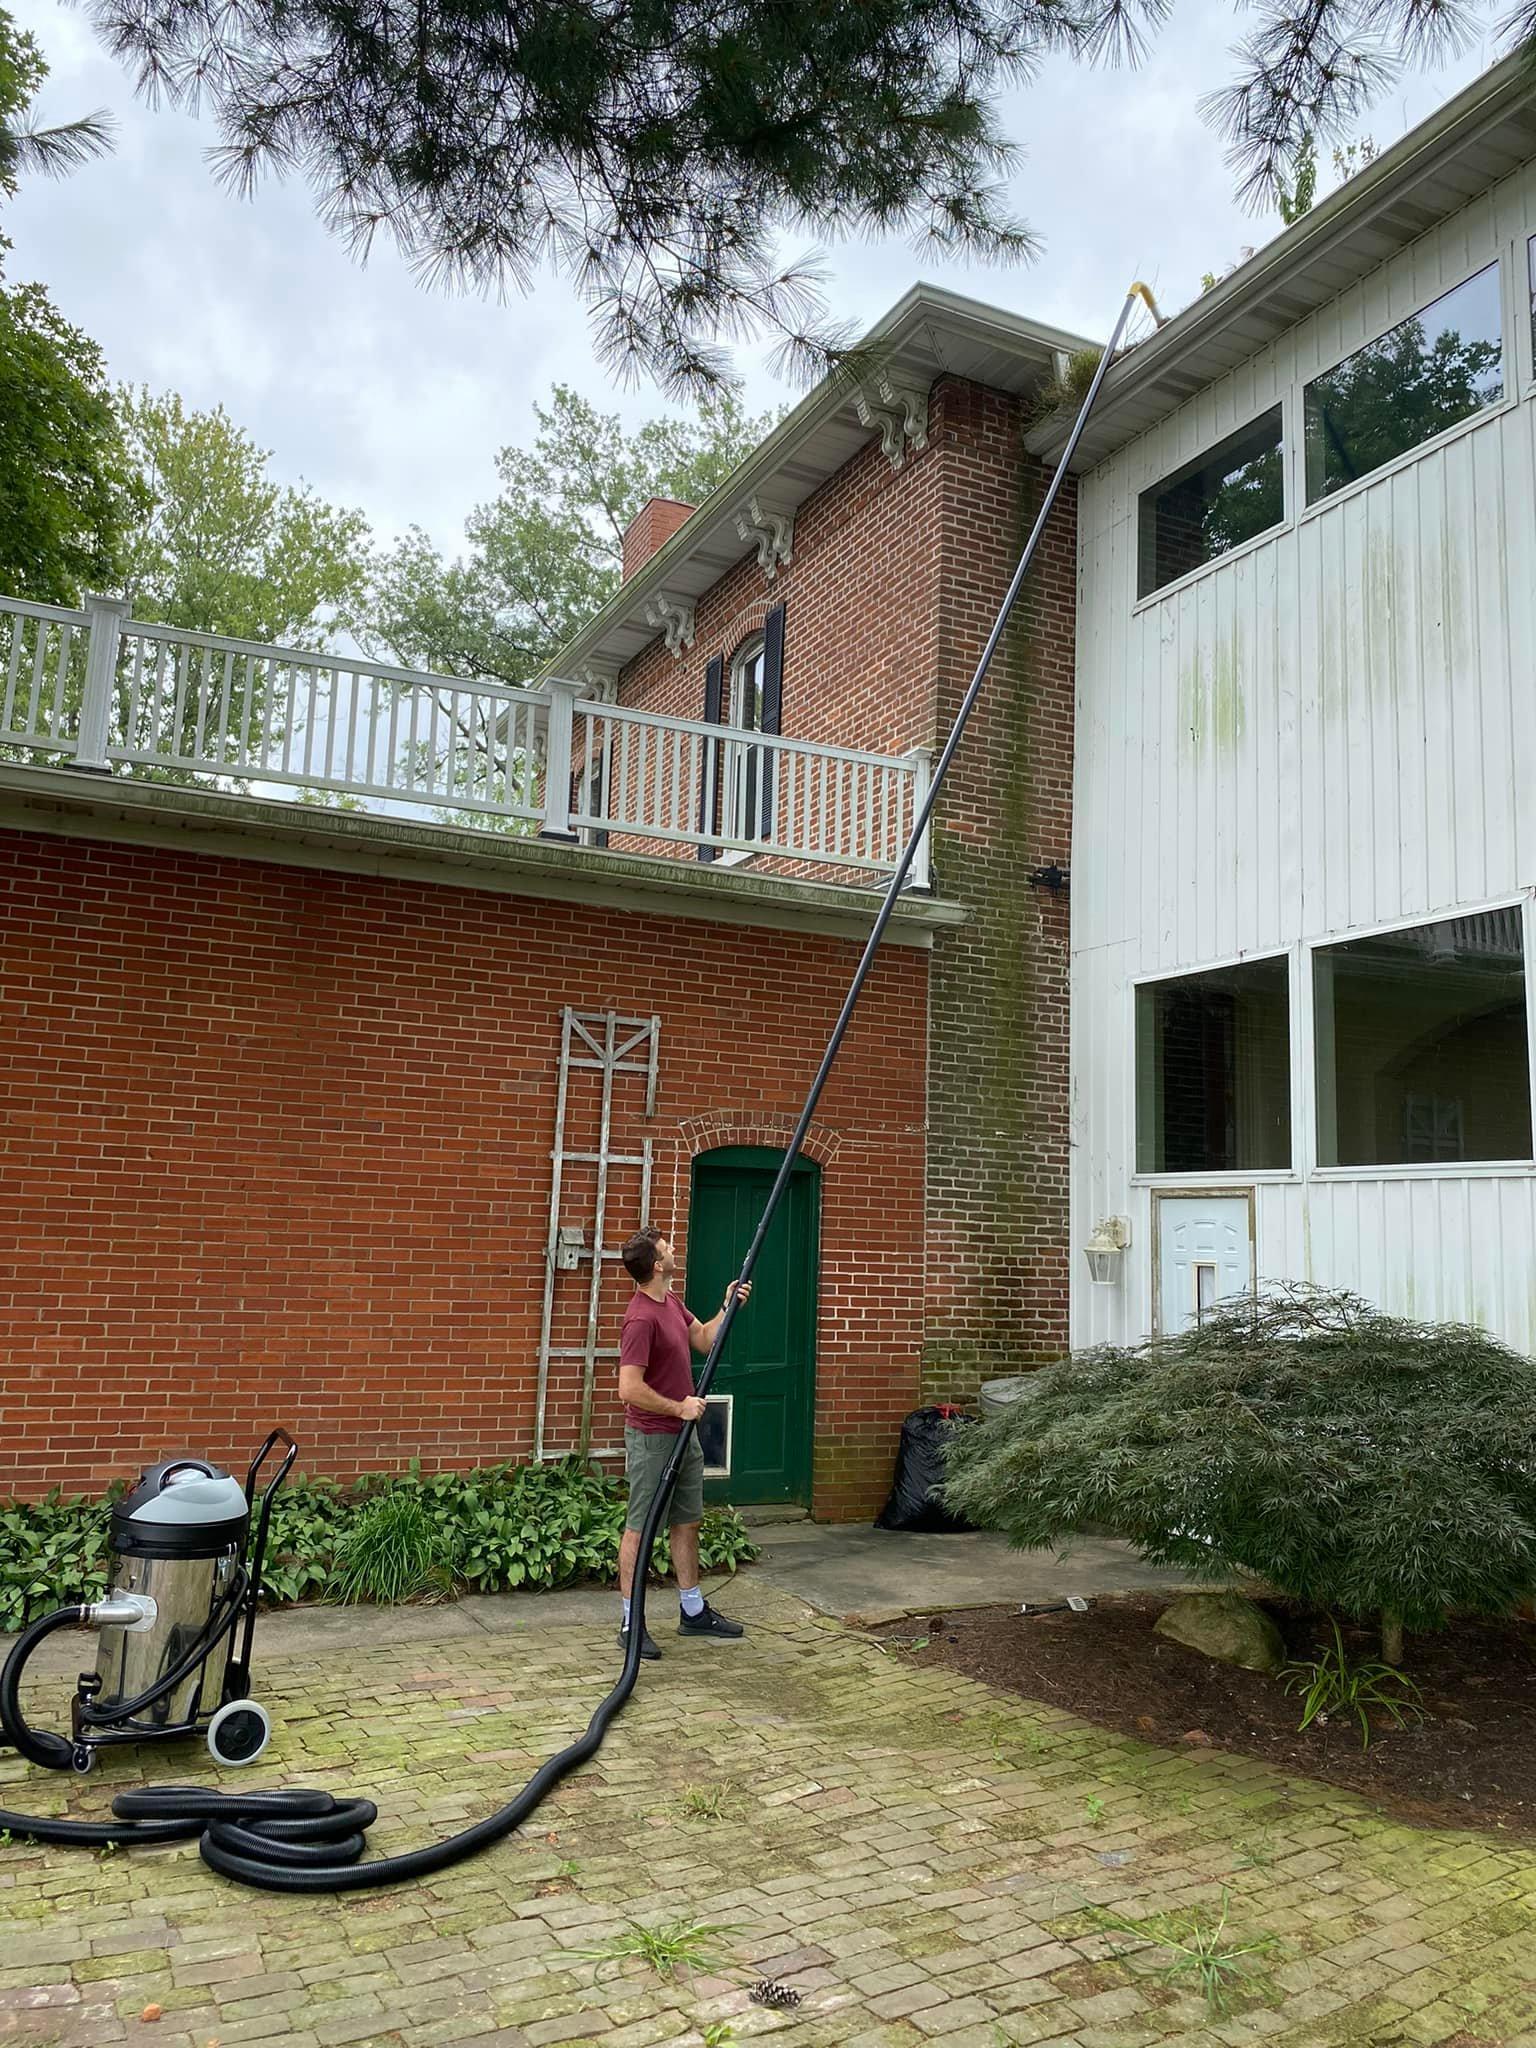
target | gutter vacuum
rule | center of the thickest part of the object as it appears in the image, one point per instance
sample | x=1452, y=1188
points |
x=188, y=1565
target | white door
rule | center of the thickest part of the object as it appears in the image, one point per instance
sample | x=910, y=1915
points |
x=1205, y=1255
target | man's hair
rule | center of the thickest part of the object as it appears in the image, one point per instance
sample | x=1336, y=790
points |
x=639, y=1255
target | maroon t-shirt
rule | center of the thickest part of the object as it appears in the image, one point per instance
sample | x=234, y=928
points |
x=655, y=1338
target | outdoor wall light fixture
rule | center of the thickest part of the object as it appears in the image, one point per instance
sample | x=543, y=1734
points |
x=1106, y=1249
x=1053, y=878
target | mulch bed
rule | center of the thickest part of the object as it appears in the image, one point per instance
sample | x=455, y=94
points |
x=1472, y=1763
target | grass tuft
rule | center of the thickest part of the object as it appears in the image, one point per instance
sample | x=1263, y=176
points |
x=393, y=1552
x=1201, y=1953
x=705, y=1802
x=671, y=1949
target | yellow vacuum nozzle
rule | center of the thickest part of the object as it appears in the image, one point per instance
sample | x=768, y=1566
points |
x=1144, y=293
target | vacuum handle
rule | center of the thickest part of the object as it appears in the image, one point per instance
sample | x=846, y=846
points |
x=278, y=1436
x=258, y=1555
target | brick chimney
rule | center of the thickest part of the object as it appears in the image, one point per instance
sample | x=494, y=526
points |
x=651, y=528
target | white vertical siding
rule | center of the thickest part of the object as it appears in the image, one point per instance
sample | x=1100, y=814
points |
x=1332, y=730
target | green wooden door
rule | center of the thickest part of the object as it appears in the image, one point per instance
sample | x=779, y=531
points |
x=769, y=1365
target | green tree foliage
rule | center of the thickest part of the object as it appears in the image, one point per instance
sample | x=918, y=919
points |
x=546, y=551
x=224, y=548
x=1355, y=1461
x=1250, y=501
x=66, y=493
x=1295, y=195
x=651, y=150
x=654, y=150
x=63, y=480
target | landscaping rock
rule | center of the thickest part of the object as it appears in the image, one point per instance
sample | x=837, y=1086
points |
x=1226, y=1627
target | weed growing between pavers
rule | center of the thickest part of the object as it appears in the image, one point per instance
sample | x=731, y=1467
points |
x=1200, y=1952
x=671, y=1948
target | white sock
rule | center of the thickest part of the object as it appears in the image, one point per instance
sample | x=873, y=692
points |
x=690, y=1599
x=626, y=1614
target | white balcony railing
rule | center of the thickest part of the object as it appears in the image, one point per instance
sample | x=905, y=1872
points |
x=96, y=690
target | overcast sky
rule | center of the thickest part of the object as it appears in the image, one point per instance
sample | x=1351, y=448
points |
x=392, y=398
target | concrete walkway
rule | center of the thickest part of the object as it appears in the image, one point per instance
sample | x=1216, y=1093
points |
x=878, y=1574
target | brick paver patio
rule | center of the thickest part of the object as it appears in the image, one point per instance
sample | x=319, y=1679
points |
x=917, y=1856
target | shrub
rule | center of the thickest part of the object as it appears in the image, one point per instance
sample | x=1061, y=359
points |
x=392, y=1551
x=53, y=1553
x=1353, y=1460
x=490, y=1530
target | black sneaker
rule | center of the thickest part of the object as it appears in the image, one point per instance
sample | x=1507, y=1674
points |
x=707, y=1623
x=648, y=1650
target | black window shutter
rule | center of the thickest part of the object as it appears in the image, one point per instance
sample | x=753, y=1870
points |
x=773, y=709
x=714, y=691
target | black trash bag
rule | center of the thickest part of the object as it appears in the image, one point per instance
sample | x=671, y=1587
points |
x=913, y=1506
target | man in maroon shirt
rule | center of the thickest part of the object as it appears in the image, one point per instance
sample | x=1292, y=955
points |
x=656, y=1387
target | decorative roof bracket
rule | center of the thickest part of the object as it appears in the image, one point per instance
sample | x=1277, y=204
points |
x=772, y=533
x=602, y=684
x=672, y=617
x=899, y=411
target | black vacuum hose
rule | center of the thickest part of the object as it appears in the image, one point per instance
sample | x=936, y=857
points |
x=37, y=1745
x=287, y=1841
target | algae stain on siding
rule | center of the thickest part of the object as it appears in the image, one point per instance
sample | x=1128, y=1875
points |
x=1380, y=610
x=1212, y=705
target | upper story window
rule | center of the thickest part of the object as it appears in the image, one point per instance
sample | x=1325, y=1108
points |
x=1428, y=373
x=1213, y=1070
x=1421, y=1045
x=1203, y=511
x=745, y=766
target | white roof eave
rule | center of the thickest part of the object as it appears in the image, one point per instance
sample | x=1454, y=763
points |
x=928, y=332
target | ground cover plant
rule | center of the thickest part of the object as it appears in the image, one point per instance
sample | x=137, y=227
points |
x=1333, y=1682
x=1364, y=1465
x=387, y=1537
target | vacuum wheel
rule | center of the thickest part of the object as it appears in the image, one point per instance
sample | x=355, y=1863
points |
x=239, y=1732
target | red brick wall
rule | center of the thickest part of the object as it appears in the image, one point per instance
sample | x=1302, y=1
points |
x=860, y=622
x=998, y=1104
x=894, y=585
x=275, y=1148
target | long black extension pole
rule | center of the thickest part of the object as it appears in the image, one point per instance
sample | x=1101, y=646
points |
x=298, y=1841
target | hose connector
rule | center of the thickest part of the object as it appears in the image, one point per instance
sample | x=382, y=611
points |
x=135, y=1612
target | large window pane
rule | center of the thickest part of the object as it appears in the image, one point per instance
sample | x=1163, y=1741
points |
x=1213, y=1063
x=1435, y=369
x=1421, y=1045
x=1213, y=506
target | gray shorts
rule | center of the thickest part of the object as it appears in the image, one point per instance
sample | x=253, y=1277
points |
x=646, y=1452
